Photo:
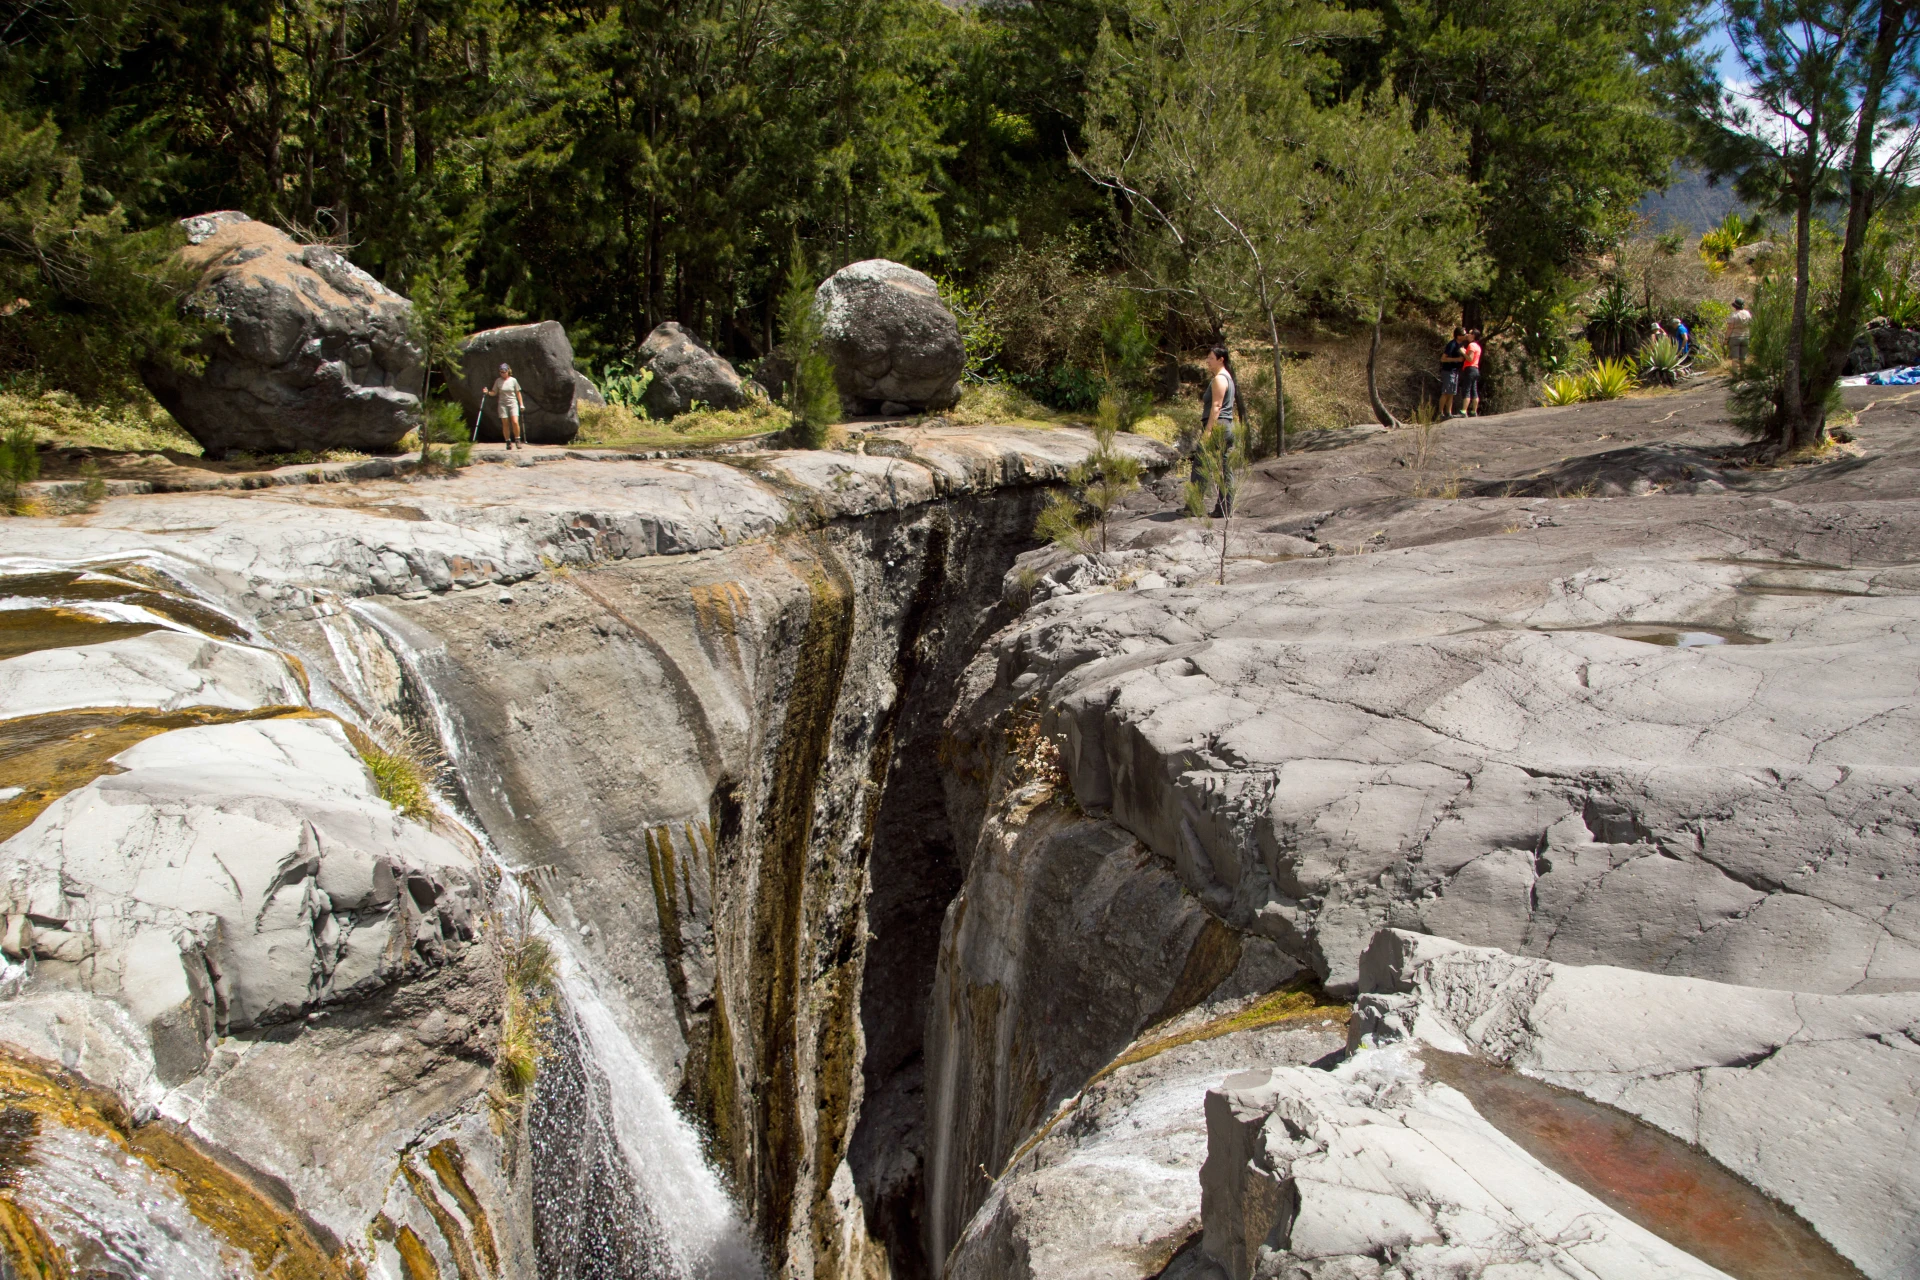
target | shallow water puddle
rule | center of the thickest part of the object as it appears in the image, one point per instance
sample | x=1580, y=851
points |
x=1672, y=635
x=52, y=627
x=124, y=584
x=44, y=757
x=1648, y=1176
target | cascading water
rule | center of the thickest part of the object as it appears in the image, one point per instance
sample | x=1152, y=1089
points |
x=680, y=1223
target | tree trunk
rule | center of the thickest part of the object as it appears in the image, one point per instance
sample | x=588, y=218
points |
x=1794, y=429
x=1279, y=388
x=1380, y=410
x=422, y=127
x=1827, y=367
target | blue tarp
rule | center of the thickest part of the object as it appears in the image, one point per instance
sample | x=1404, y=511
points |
x=1907, y=376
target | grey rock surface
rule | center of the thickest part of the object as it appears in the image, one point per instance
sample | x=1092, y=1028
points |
x=891, y=339
x=232, y=876
x=1111, y=1189
x=316, y=354
x=164, y=670
x=686, y=371
x=1369, y=1170
x=1810, y=1098
x=542, y=361
x=1456, y=729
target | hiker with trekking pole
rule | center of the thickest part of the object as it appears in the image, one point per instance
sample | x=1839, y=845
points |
x=506, y=390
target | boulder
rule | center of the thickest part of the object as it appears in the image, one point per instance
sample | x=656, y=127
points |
x=542, y=360
x=895, y=347
x=1884, y=346
x=316, y=353
x=585, y=394
x=687, y=371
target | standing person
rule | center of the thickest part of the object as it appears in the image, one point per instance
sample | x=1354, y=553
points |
x=1451, y=358
x=1470, y=374
x=1217, y=411
x=506, y=388
x=1739, y=325
x=1683, y=336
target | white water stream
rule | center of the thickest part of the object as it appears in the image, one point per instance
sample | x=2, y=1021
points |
x=702, y=1230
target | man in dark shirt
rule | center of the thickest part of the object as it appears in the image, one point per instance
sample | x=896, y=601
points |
x=1450, y=361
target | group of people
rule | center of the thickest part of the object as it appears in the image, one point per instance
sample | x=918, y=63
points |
x=1460, y=374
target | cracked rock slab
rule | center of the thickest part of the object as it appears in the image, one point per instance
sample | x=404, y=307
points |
x=1371, y=1170
x=1814, y=1099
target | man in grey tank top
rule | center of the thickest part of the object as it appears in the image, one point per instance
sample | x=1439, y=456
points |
x=1217, y=409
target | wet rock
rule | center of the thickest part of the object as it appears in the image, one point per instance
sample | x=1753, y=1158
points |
x=890, y=338
x=315, y=353
x=542, y=361
x=686, y=372
x=1805, y=1096
x=1312, y=1174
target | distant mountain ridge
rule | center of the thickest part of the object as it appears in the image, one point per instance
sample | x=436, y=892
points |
x=1691, y=203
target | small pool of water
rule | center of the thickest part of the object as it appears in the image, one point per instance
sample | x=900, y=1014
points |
x=1646, y=1175
x=52, y=627
x=125, y=584
x=1671, y=635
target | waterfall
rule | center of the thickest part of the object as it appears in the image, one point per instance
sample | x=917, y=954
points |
x=689, y=1227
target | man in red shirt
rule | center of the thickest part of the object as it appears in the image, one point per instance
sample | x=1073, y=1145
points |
x=1470, y=376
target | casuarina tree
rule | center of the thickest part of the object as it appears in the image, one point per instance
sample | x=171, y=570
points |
x=1827, y=113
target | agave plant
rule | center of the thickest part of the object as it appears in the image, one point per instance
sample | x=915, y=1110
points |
x=1660, y=362
x=1734, y=232
x=1613, y=319
x=1564, y=388
x=1609, y=380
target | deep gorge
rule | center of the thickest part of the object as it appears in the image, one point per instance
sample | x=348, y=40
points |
x=858, y=893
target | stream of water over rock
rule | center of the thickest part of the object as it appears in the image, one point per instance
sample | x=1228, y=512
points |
x=640, y=1198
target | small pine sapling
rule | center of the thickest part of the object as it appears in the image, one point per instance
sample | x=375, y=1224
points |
x=1095, y=488
x=19, y=465
x=814, y=396
x=1223, y=466
x=445, y=440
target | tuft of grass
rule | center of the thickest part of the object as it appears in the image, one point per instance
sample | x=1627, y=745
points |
x=1564, y=389
x=1609, y=380
x=998, y=404
x=403, y=763
x=60, y=419
x=19, y=465
x=616, y=426
x=529, y=970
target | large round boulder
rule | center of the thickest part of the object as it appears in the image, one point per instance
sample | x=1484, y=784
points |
x=314, y=354
x=542, y=361
x=894, y=347
x=686, y=371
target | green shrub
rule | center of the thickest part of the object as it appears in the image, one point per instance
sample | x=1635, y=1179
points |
x=1734, y=232
x=445, y=440
x=19, y=465
x=1753, y=398
x=623, y=385
x=1069, y=388
x=1609, y=380
x=1614, y=319
x=1564, y=388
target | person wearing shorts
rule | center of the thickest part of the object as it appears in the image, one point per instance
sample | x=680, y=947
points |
x=1450, y=360
x=506, y=389
x=1470, y=375
x=1739, y=325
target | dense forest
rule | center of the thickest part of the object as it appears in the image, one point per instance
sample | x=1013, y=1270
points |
x=1236, y=165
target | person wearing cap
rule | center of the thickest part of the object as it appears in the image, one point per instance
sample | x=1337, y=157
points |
x=1683, y=336
x=1739, y=326
x=506, y=388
